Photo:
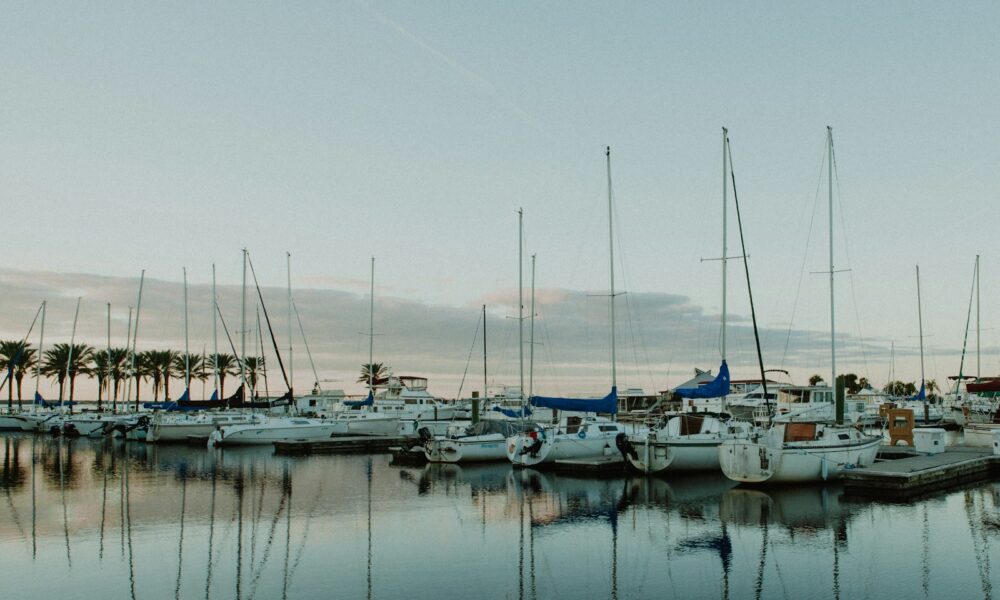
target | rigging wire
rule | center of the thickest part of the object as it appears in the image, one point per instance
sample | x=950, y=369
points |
x=805, y=256
x=468, y=361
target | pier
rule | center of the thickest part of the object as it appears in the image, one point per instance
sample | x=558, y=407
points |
x=339, y=445
x=918, y=474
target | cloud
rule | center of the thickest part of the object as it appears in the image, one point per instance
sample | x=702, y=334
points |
x=661, y=337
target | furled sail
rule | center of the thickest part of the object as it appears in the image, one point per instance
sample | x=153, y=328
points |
x=922, y=394
x=366, y=402
x=607, y=404
x=716, y=388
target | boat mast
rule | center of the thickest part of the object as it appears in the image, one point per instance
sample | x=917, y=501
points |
x=520, y=301
x=833, y=335
x=531, y=335
x=107, y=368
x=38, y=364
x=371, y=332
x=135, y=334
x=243, y=325
x=187, y=350
x=215, y=333
x=485, y=378
x=288, y=268
x=611, y=272
x=978, y=365
x=69, y=355
x=725, y=237
x=920, y=320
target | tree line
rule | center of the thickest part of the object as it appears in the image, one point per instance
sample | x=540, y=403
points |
x=113, y=368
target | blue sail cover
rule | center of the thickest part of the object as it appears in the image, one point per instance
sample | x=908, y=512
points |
x=716, y=388
x=607, y=404
x=922, y=394
x=366, y=402
x=185, y=396
x=215, y=395
x=41, y=402
x=513, y=414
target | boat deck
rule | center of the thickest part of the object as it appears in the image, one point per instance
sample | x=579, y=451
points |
x=918, y=474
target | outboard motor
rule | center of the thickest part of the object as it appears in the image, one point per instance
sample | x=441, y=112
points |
x=625, y=446
x=55, y=431
x=70, y=430
x=425, y=434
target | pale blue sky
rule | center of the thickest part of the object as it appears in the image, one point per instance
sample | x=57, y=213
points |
x=142, y=135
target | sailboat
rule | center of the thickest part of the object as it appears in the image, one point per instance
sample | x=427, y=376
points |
x=797, y=448
x=690, y=441
x=580, y=431
x=485, y=440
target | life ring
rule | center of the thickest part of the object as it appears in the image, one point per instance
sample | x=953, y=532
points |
x=582, y=434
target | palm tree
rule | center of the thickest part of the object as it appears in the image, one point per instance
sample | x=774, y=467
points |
x=167, y=360
x=119, y=362
x=11, y=355
x=374, y=372
x=100, y=367
x=28, y=364
x=864, y=384
x=56, y=363
x=253, y=366
x=226, y=365
x=815, y=379
x=195, y=362
x=143, y=370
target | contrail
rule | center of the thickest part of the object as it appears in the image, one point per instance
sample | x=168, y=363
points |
x=479, y=82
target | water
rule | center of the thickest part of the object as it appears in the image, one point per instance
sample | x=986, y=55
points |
x=101, y=518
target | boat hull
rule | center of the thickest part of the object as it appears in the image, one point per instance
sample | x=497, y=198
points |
x=680, y=455
x=751, y=462
x=263, y=435
x=480, y=448
x=522, y=451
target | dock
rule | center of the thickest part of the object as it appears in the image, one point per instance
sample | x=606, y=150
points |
x=904, y=478
x=601, y=465
x=341, y=445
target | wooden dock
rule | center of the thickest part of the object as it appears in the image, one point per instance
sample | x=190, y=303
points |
x=904, y=478
x=601, y=465
x=341, y=445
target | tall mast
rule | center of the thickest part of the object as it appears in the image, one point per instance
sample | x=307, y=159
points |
x=288, y=268
x=485, y=378
x=978, y=365
x=215, y=332
x=69, y=355
x=187, y=350
x=371, y=332
x=833, y=335
x=128, y=357
x=243, y=325
x=725, y=237
x=107, y=368
x=520, y=297
x=531, y=335
x=920, y=320
x=611, y=272
x=38, y=363
x=135, y=333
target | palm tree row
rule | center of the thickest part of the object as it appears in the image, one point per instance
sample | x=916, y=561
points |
x=112, y=368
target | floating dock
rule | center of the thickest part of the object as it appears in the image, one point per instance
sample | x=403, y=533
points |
x=339, y=445
x=904, y=478
x=601, y=465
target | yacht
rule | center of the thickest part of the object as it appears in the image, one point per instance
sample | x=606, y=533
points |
x=685, y=442
x=484, y=441
x=277, y=429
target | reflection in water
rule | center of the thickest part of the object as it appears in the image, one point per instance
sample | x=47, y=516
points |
x=229, y=520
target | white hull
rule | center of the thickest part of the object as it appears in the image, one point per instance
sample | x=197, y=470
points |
x=687, y=455
x=480, y=448
x=561, y=446
x=371, y=424
x=751, y=462
x=980, y=434
x=268, y=433
x=177, y=432
x=11, y=423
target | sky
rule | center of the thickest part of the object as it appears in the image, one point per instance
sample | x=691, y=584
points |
x=160, y=136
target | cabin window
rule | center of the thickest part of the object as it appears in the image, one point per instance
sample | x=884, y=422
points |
x=843, y=436
x=608, y=428
x=573, y=424
x=691, y=424
x=800, y=432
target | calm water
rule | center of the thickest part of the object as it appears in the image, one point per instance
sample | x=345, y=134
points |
x=84, y=518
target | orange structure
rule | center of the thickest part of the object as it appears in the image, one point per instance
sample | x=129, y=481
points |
x=900, y=422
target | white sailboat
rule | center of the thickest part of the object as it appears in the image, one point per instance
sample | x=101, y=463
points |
x=580, y=432
x=690, y=442
x=797, y=448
